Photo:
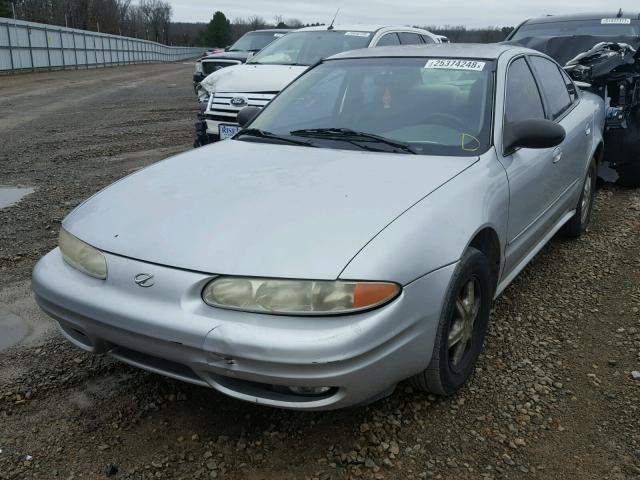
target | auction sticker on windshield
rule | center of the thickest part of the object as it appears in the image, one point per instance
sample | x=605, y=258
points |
x=227, y=131
x=455, y=64
x=616, y=21
x=357, y=34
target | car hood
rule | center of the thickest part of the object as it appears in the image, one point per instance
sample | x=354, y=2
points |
x=248, y=78
x=244, y=208
x=239, y=55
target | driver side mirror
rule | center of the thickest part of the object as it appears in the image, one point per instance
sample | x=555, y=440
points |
x=532, y=134
x=246, y=115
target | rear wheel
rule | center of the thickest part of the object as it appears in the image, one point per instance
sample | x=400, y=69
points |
x=578, y=224
x=462, y=327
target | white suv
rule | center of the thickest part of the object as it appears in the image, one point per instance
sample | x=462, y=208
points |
x=259, y=80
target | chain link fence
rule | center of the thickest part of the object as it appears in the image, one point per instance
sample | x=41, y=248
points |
x=28, y=46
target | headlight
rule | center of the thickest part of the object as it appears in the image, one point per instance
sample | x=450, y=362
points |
x=82, y=256
x=297, y=297
x=198, y=67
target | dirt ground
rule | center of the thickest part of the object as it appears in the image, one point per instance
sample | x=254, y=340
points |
x=554, y=397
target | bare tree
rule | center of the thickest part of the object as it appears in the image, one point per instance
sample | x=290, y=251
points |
x=257, y=23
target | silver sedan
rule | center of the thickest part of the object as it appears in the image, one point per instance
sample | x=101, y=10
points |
x=351, y=236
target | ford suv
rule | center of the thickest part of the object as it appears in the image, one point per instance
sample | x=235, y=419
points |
x=258, y=81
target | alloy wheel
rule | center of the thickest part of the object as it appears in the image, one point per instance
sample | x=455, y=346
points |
x=585, y=204
x=461, y=331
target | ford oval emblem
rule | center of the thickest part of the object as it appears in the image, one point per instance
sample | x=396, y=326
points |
x=239, y=102
x=144, y=280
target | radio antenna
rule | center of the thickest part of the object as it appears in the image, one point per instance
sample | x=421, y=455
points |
x=334, y=19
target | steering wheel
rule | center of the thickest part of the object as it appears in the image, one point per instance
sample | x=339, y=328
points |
x=447, y=119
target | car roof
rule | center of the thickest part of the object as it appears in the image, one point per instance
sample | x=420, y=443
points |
x=363, y=28
x=443, y=50
x=274, y=30
x=582, y=16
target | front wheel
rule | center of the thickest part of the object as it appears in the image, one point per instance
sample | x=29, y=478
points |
x=462, y=327
x=578, y=224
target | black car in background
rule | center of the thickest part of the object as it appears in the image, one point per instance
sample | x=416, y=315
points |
x=600, y=52
x=239, y=52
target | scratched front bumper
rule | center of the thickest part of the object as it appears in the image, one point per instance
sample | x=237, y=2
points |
x=168, y=329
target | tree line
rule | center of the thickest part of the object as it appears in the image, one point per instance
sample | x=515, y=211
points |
x=148, y=19
x=151, y=20
x=222, y=32
x=462, y=34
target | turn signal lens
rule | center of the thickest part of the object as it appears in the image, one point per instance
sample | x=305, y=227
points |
x=297, y=297
x=366, y=294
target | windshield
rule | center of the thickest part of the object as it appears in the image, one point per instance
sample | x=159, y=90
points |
x=433, y=106
x=606, y=27
x=306, y=48
x=255, y=41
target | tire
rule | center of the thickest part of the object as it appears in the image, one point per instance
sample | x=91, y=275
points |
x=453, y=362
x=578, y=224
x=629, y=173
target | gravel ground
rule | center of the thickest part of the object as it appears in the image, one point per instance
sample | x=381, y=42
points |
x=554, y=396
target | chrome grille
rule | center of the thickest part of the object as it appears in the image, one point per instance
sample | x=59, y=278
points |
x=220, y=104
x=210, y=66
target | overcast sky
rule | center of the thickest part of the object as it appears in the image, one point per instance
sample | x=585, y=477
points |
x=478, y=13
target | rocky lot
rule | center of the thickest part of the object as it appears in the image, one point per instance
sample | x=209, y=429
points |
x=554, y=398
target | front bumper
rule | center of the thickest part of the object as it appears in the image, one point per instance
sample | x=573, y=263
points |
x=213, y=126
x=168, y=329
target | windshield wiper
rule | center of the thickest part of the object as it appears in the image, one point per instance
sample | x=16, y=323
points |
x=349, y=135
x=256, y=132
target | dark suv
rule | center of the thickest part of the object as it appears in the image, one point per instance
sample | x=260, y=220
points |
x=239, y=52
x=600, y=52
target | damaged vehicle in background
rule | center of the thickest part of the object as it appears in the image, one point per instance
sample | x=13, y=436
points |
x=352, y=235
x=249, y=44
x=224, y=93
x=600, y=53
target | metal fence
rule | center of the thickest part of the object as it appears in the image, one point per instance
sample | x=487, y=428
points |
x=27, y=46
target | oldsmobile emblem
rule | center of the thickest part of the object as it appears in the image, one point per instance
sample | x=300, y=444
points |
x=144, y=280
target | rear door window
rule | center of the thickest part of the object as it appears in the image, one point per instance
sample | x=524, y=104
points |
x=408, y=38
x=554, y=87
x=388, y=40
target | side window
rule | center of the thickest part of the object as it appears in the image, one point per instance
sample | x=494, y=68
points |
x=388, y=39
x=523, y=100
x=407, y=38
x=571, y=87
x=427, y=39
x=553, y=85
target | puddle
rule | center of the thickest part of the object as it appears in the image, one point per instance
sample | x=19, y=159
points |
x=12, y=195
x=12, y=330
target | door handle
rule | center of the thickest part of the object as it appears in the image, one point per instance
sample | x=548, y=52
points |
x=557, y=155
x=587, y=129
